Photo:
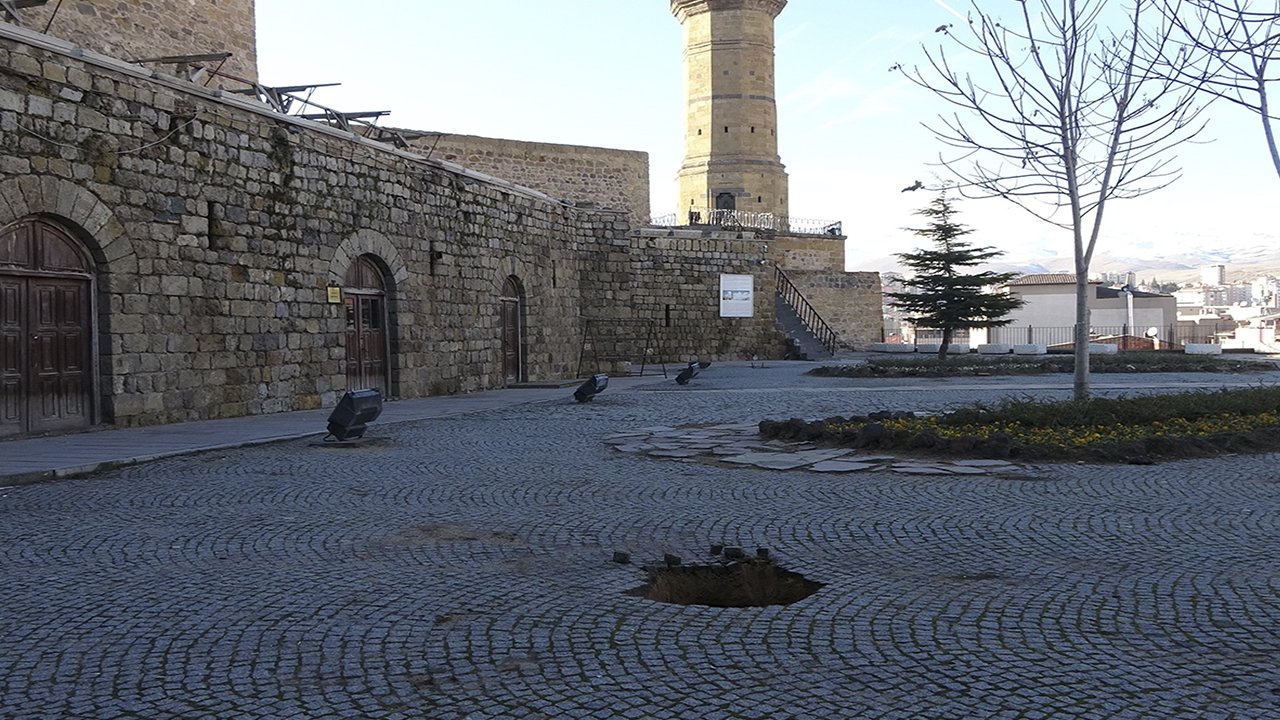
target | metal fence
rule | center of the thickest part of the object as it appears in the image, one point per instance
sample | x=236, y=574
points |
x=746, y=220
x=1169, y=337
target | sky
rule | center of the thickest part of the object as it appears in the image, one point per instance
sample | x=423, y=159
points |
x=609, y=73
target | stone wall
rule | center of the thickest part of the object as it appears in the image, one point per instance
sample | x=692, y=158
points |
x=673, y=281
x=218, y=228
x=586, y=176
x=132, y=30
x=850, y=302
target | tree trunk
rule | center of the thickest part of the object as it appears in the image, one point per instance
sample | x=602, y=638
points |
x=946, y=341
x=1080, y=386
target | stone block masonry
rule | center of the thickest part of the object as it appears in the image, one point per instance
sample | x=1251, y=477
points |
x=672, y=280
x=137, y=30
x=850, y=302
x=217, y=230
x=586, y=176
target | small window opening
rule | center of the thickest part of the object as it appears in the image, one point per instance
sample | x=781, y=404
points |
x=753, y=128
x=666, y=322
x=726, y=128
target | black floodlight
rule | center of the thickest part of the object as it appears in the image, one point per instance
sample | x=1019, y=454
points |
x=354, y=412
x=688, y=373
x=591, y=388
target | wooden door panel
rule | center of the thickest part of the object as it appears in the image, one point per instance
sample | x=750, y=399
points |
x=13, y=340
x=373, y=343
x=366, y=342
x=60, y=386
x=46, y=330
x=511, y=341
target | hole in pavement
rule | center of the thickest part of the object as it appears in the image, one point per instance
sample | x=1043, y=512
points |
x=750, y=583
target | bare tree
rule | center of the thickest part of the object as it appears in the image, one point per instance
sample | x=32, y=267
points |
x=1065, y=109
x=1235, y=43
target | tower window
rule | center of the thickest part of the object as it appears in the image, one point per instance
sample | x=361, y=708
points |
x=726, y=128
x=699, y=131
x=753, y=128
x=759, y=198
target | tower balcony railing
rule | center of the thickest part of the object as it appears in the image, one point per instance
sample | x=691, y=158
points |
x=747, y=220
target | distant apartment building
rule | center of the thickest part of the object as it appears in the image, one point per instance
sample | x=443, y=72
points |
x=1213, y=275
x=1214, y=296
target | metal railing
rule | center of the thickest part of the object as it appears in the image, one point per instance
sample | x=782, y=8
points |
x=809, y=317
x=747, y=220
x=1168, y=337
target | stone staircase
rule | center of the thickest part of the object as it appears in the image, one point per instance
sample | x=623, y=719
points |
x=806, y=345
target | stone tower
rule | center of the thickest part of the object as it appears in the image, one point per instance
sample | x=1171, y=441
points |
x=731, y=140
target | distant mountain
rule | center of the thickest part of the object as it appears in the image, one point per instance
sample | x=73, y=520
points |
x=1146, y=260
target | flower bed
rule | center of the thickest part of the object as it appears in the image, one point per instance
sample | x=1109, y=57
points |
x=1125, y=429
x=979, y=365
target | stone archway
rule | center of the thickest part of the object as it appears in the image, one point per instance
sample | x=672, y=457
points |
x=46, y=329
x=370, y=296
x=103, y=242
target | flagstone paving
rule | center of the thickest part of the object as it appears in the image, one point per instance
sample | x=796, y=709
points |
x=740, y=444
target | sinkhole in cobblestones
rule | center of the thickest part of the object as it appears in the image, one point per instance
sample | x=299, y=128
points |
x=750, y=583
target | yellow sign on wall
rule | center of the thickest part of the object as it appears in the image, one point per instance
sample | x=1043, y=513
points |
x=335, y=294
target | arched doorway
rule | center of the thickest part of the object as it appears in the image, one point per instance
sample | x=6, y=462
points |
x=365, y=299
x=512, y=303
x=46, y=330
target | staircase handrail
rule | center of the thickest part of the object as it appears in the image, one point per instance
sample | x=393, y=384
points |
x=809, y=317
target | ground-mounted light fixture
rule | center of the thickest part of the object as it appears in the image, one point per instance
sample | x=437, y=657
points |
x=354, y=412
x=592, y=387
x=690, y=372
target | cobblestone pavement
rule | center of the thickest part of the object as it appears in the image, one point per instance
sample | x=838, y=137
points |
x=462, y=568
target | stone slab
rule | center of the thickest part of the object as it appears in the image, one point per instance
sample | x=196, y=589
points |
x=1030, y=349
x=892, y=348
x=920, y=470
x=769, y=461
x=1202, y=349
x=841, y=466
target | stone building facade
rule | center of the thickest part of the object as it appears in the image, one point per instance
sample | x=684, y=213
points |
x=132, y=30
x=586, y=176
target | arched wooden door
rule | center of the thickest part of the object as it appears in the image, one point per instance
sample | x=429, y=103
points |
x=46, y=330
x=512, y=332
x=365, y=298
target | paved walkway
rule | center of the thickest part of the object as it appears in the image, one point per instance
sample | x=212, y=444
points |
x=462, y=567
x=81, y=453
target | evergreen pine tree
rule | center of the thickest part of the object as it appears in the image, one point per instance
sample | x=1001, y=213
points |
x=942, y=294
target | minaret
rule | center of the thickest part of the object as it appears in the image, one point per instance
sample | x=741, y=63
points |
x=731, y=141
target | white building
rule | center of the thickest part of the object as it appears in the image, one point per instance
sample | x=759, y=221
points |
x=1213, y=275
x=1048, y=313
